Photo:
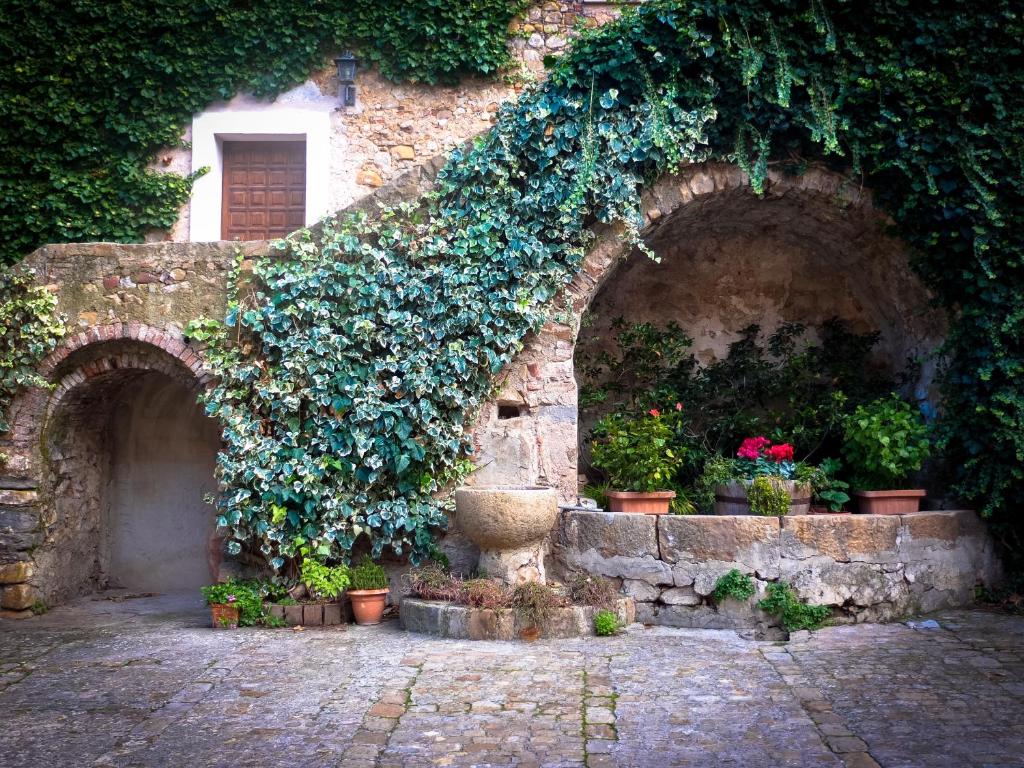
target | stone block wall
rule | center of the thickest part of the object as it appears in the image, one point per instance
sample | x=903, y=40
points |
x=865, y=567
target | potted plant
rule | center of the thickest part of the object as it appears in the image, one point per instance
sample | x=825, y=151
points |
x=368, y=592
x=763, y=481
x=233, y=604
x=883, y=443
x=637, y=457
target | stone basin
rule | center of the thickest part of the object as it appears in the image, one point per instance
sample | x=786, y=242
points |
x=497, y=517
x=509, y=524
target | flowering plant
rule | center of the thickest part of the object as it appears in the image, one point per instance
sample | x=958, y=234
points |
x=636, y=454
x=758, y=457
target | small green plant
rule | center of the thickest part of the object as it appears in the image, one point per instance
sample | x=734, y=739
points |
x=635, y=454
x=768, y=496
x=535, y=602
x=247, y=595
x=884, y=441
x=324, y=582
x=734, y=584
x=606, y=623
x=793, y=615
x=826, y=487
x=369, y=575
x=38, y=608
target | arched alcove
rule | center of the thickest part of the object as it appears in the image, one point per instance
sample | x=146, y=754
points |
x=812, y=246
x=128, y=457
x=736, y=260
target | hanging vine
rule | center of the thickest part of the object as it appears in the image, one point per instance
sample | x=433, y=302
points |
x=366, y=349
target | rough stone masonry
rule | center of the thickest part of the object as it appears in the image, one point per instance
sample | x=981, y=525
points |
x=865, y=567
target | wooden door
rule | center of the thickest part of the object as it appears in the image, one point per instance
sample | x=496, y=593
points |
x=264, y=189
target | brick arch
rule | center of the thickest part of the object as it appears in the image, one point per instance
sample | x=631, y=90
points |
x=100, y=351
x=528, y=433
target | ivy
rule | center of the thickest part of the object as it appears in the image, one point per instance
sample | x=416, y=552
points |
x=366, y=349
x=30, y=328
x=93, y=89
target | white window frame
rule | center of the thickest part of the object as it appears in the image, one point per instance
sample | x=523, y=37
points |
x=211, y=129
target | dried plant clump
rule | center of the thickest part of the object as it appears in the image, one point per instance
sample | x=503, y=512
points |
x=485, y=593
x=586, y=589
x=535, y=602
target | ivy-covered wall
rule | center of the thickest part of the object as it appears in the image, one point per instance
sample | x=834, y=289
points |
x=93, y=90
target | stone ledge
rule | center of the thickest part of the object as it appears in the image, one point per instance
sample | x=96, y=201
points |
x=435, y=617
x=865, y=567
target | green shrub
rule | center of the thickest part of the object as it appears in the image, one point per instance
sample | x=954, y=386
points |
x=369, y=575
x=793, y=615
x=635, y=453
x=885, y=441
x=734, y=584
x=324, y=582
x=606, y=623
x=768, y=496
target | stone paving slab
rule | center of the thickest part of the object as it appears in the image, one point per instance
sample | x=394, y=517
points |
x=146, y=683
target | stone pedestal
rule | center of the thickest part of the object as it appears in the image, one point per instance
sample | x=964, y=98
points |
x=509, y=524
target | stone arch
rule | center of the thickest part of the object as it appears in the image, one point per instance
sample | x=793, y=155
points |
x=116, y=449
x=529, y=433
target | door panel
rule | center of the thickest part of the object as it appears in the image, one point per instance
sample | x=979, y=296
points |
x=264, y=189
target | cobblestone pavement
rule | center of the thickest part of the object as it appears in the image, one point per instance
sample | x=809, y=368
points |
x=143, y=682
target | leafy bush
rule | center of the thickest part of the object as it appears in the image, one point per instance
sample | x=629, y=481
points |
x=369, y=575
x=733, y=584
x=793, y=615
x=324, y=582
x=606, y=623
x=768, y=496
x=635, y=453
x=826, y=487
x=885, y=441
x=791, y=389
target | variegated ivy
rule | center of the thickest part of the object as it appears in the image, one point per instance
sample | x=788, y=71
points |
x=359, y=354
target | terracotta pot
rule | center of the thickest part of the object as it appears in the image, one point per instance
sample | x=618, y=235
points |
x=893, y=502
x=731, y=499
x=653, y=503
x=368, y=604
x=224, y=616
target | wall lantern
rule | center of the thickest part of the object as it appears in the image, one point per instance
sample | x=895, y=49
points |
x=347, y=65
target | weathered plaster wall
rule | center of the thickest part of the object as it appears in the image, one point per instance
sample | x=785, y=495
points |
x=162, y=451
x=865, y=567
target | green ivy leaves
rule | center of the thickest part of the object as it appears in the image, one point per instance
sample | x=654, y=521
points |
x=93, y=90
x=372, y=345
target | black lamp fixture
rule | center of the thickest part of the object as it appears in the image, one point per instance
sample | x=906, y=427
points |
x=347, y=65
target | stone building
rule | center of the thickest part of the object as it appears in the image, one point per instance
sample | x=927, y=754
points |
x=107, y=472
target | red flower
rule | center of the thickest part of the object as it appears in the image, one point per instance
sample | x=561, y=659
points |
x=654, y=412
x=783, y=452
x=752, y=446
x=679, y=406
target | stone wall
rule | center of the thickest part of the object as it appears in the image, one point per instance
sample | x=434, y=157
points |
x=865, y=567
